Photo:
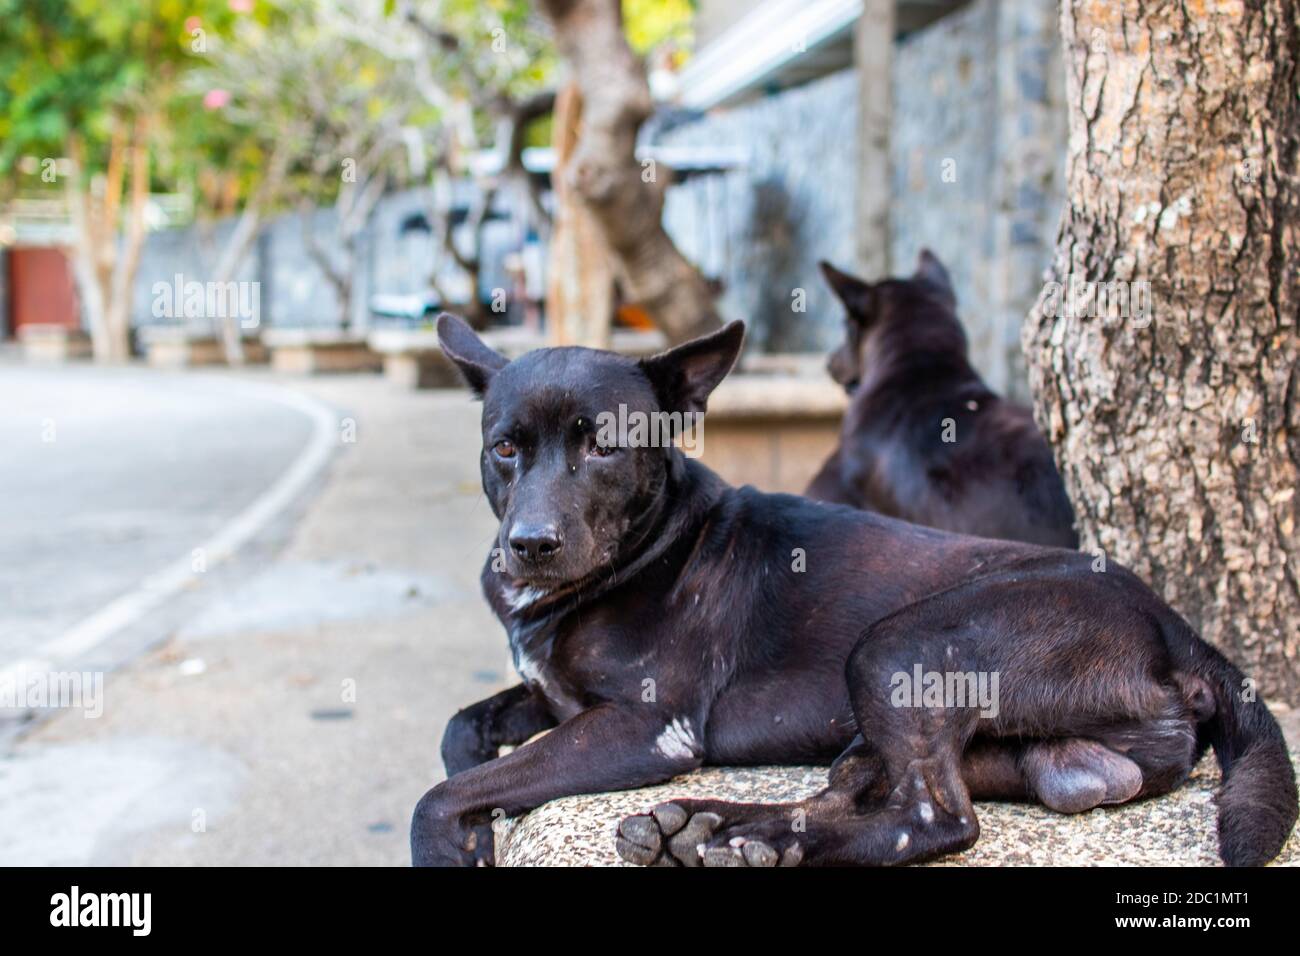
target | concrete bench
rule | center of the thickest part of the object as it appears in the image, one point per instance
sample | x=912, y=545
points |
x=306, y=351
x=1175, y=830
x=173, y=346
x=53, y=343
x=773, y=422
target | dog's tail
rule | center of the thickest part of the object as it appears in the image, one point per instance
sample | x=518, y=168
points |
x=1257, y=800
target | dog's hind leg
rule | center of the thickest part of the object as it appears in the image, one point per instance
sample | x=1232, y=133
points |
x=1091, y=682
x=895, y=798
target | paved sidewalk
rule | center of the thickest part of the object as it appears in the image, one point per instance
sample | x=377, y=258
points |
x=238, y=740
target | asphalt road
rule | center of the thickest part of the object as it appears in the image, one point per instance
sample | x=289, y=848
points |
x=286, y=706
x=106, y=475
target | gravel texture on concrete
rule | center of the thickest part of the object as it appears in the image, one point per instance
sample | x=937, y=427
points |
x=1174, y=830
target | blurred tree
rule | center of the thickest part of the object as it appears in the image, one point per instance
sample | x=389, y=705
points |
x=89, y=82
x=652, y=24
x=237, y=137
x=302, y=110
x=482, y=69
x=488, y=69
x=622, y=195
x=368, y=127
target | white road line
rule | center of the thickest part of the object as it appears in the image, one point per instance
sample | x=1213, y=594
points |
x=167, y=581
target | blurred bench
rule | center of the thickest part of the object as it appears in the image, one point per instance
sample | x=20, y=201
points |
x=53, y=343
x=773, y=422
x=306, y=351
x=173, y=346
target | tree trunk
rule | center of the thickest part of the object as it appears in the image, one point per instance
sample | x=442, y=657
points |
x=579, y=277
x=1179, y=437
x=102, y=271
x=117, y=317
x=243, y=236
x=625, y=198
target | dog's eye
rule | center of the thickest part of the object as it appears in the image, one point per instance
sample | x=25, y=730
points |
x=504, y=449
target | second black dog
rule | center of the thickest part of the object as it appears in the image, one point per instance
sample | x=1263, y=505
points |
x=924, y=439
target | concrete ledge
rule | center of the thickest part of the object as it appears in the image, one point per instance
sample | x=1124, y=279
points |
x=773, y=423
x=1175, y=830
x=168, y=346
x=53, y=343
x=317, y=351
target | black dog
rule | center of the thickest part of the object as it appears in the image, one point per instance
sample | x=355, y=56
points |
x=924, y=439
x=662, y=620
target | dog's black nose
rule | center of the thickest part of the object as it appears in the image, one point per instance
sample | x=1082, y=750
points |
x=534, y=543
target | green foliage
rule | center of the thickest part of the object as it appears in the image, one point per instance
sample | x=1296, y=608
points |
x=652, y=23
x=72, y=65
x=84, y=65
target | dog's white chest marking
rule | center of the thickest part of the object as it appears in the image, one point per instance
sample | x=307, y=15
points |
x=520, y=598
x=530, y=670
x=677, y=740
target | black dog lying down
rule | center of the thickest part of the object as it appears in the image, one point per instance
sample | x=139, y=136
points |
x=924, y=439
x=662, y=619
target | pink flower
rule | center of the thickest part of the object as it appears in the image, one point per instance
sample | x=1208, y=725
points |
x=215, y=99
x=241, y=6
x=192, y=24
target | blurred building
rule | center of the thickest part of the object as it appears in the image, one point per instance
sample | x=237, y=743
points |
x=857, y=131
x=871, y=129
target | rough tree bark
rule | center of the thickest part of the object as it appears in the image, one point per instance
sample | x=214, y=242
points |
x=604, y=171
x=1179, y=440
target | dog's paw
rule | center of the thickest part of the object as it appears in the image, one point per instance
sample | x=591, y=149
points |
x=480, y=845
x=666, y=836
x=766, y=843
x=673, y=834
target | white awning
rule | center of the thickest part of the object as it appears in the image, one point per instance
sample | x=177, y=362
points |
x=768, y=38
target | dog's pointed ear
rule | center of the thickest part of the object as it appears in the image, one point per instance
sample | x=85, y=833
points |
x=477, y=362
x=684, y=377
x=932, y=272
x=852, y=291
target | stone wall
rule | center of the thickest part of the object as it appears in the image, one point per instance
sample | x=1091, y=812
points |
x=978, y=154
x=944, y=152
x=761, y=228
x=392, y=258
x=979, y=165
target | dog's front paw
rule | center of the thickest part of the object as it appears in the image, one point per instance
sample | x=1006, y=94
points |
x=440, y=837
x=681, y=834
